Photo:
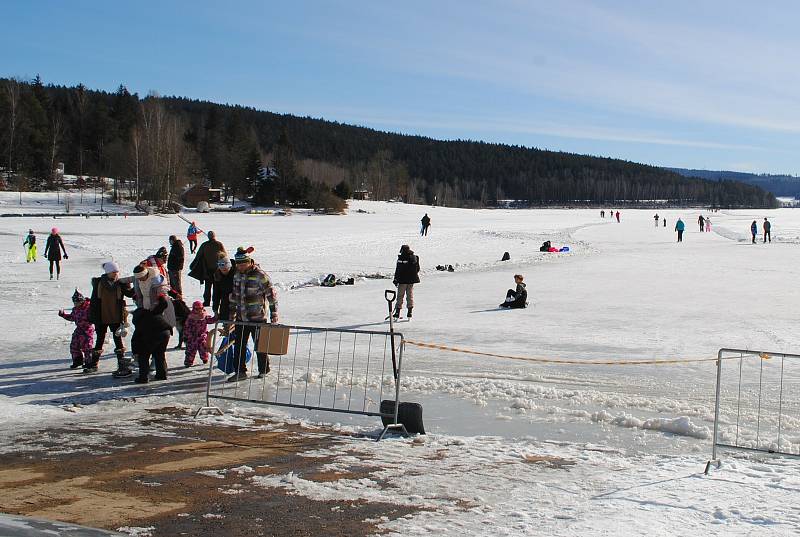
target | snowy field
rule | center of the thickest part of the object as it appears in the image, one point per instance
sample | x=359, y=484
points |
x=636, y=436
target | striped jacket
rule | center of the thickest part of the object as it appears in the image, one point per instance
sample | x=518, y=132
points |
x=251, y=291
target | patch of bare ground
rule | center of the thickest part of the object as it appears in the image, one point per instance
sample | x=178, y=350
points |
x=168, y=481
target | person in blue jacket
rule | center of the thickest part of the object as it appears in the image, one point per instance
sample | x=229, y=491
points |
x=679, y=227
x=754, y=230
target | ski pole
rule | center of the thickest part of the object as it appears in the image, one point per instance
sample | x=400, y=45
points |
x=390, y=295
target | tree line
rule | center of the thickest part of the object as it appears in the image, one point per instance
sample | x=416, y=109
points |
x=154, y=145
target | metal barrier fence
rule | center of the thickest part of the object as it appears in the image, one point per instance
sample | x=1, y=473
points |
x=757, y=405
x=329, y=369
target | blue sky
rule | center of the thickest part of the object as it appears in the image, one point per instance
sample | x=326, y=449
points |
x=702, y=84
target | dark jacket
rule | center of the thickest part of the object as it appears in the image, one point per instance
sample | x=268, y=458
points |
x=51, y=250
x=175, y=261
x=205, y=260
x=221, y=298
x=520, y=298
x=103, y=287
x=407, y=269
x=150, y=326
x=426, y=220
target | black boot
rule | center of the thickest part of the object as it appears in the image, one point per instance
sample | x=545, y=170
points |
x=396, y=314
x=90, y=364
x=123, y=365
x=76, y=363
x=409, y=312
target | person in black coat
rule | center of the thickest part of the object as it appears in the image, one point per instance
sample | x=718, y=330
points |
x=426, y=223
x=175, y=263
x=516, y=298
x=150, y=338
x=406, y=274
x=52, y=251
x=223, y=286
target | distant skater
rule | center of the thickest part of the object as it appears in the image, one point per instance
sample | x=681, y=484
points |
x=53, y=249
x=30, y=246
x=708, y=224
x=602, y=214
x=191, y=236
x=426, y=223
x=767, y=228
x=656, y=219
x=679, y=227
x=665, y=221
x=702, y=222
x=617, y=217
x=754, y=231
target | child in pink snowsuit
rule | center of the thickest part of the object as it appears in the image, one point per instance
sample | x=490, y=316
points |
x=195, y=334
x=83, y=337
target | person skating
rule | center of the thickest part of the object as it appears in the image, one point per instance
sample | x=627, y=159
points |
x=52, y=251
x=602, y=213
x=518, y=297
x=223, y=286
x=754, y=231
x=191, y=236
x=708, y=224
x=665, y=221
x=30, y=246
x=205, y=263
x=406, y=274
x=108, y=311
x=252, y=290
x=702, y=222
x=80, y=347
x=679, y=227
x=195, y=333
x=656, y=219
x=175, y=263
x=426, y=223
x=617, y=217
x=767, y=228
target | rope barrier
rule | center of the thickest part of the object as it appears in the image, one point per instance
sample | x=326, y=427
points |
x=561, y=361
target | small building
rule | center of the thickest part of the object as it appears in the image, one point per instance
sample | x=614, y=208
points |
x=194, y=194
x=215, y=195
x=361, y=193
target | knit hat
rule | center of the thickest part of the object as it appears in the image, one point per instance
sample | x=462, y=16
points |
x=30, y=231
x=162, y=252
x=140, y=272
x=54, y=231
x=243, y=254
x=197, y=306
x=110, y=266
x=77, y=297
x=172, y=238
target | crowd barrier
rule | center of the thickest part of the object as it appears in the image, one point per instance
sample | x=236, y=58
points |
x=757, y=404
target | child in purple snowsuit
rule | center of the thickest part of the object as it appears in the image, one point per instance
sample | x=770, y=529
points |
x=83, y=337
x=195, y=334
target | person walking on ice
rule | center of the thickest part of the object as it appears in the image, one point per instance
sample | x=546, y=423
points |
x=80, y=347
x=708, y=224
x=108, y=312
x=767, y=228
x=426, y=223
x=656, y=219
x=30, y=246
x=191, y=236
x=518, y=297
x=52, y=251
x=754, y=231
x=602, y=213
x=406, y=274
x=617, y=217
x=702, y=222
x=679, y=227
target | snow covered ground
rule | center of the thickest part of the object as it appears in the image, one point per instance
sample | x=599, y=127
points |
x=635, y=436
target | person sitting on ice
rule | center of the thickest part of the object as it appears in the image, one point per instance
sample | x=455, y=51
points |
x=196, y=334
x=82, y=337
x=516, y=298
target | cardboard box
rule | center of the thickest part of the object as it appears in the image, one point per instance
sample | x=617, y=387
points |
x=273, y=339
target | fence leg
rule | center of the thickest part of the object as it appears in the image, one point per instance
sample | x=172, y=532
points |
x=714, y=459
x=209, y=407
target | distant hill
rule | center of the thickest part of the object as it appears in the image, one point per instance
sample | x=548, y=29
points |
x=780, y=185
x=155, y=145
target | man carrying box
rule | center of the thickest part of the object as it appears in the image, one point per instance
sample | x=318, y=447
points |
x=252, y=289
